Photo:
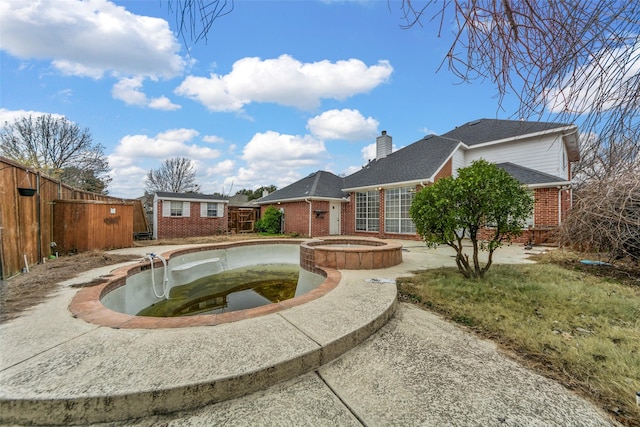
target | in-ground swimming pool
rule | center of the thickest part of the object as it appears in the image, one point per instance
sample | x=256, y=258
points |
x=132, y=290
x=213, y=281
x=238, y=289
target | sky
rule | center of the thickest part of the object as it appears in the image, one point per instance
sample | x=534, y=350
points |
x=279, y=90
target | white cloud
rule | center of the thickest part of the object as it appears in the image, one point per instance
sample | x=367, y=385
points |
x=284, y=80
x=163, y=103
x=608, y=81
x=128, y=182
x=344, y=124
x=284, y=150
x=213, y=139
x=89, y=38
x=128, y=90
x=223, y=168
x=272, y=156
x=10, y=116
x=368, y=152
x=172, y=143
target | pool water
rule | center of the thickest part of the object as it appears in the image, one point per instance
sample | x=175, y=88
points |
x=231, y=290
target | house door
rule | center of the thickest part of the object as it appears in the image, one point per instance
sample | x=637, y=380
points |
x=334, y=218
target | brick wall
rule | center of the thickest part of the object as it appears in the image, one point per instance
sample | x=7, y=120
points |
x=446, y=170
x=296, y=217
x=192, y=226
x=545, y=213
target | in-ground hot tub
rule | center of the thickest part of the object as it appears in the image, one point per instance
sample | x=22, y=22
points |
x=350, y=253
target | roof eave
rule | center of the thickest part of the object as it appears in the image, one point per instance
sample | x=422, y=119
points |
x=299, y=199
x=572, y=145
x=549, y=184
x=525, y=136
x=187, y=199
x=389, y=185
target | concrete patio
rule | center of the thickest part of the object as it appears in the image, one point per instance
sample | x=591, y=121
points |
x=352, y=357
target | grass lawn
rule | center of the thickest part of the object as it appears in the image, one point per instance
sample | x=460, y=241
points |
x=580, y=328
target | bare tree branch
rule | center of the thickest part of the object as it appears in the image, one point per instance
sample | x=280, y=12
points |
x=577, y=59
x=176, y=175
x=195, y=18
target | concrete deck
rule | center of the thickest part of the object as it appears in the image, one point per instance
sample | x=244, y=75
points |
x=307, y=365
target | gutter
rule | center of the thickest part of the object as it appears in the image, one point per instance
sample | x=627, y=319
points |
x=310, y=217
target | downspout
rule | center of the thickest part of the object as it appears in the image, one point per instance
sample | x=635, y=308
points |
x=310, y=217
x=559, y=206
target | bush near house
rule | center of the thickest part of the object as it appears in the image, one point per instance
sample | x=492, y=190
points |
x=270, y=221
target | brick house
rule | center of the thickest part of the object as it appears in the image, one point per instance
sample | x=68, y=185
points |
x=375, y=200
x=188, y=215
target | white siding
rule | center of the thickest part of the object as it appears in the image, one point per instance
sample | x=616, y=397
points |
x=457, y=161
x=545, y=154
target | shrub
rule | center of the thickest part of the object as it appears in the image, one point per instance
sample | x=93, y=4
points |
x=270, y=221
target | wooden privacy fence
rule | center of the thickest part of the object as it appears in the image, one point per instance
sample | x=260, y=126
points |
x=27, y=219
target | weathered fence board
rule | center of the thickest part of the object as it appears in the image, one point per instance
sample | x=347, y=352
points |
x=27, y=222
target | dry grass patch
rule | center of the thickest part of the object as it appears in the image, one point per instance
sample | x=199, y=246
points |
x=577, y=327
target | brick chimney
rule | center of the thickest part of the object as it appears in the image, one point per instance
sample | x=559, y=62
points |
x=383, y=145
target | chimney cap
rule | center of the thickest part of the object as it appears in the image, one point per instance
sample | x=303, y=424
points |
x=384, y=132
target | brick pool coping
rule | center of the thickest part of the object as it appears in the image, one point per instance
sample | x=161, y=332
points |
x=366, y=254
x=86, y=304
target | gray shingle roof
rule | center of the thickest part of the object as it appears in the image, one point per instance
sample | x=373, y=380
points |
x=415, y=162
x=197, y=196
x=321, y=184
x=485, y=130
x=420, y=161
x=529, y=176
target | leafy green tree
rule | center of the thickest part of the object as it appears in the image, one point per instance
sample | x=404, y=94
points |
x=59, y=148
x=482, y=198
x=257, y=193
x=270, y=221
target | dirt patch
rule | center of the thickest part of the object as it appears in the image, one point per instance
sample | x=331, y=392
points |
x=29, y=289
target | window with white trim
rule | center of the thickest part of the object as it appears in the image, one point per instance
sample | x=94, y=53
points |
x=176, y=208
x=397, y=202
x=211, y=209
x=368, y=211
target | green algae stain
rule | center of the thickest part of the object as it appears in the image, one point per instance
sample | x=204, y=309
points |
x=230, y=290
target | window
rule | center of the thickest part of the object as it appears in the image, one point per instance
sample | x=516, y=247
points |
x=176, y=208
x=397, y=202
x=368, y=211
x=211, y=210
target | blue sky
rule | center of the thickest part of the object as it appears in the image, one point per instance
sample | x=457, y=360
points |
x=280, y=89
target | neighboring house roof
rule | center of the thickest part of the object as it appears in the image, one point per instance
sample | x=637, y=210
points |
x=193, y=197
x=419, y=161
x=531, y=177
x=241, y=201
x=318, y=185
x=493, y=130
